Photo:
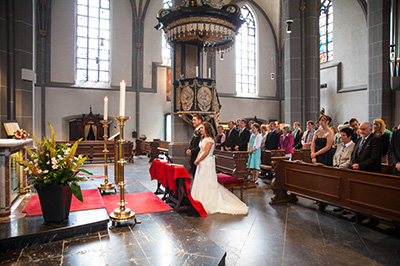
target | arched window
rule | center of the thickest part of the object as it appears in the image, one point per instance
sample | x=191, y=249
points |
x=165, y=47
x=93, y=40
x=245, y=44
x=326, y=32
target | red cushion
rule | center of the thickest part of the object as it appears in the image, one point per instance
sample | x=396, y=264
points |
x=227, y=179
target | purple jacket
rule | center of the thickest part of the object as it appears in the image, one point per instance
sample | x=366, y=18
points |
x=286, y=144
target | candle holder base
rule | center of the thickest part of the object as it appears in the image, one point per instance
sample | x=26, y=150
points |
x=119, y=215
x=107, y=187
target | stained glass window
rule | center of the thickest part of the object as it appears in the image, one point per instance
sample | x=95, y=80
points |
x=245, y=44
x=93, y=40
x=326, y=32
x=165, y=47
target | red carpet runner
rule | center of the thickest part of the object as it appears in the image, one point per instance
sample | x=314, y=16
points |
x=91, y=200
x=144, y=202
x=140, y=203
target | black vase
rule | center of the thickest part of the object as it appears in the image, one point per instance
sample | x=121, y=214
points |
x=55, y=202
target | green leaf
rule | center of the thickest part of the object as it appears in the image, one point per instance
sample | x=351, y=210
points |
x=76, y=190
x=84, y=171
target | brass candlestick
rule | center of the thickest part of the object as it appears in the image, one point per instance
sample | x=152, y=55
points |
x=106, y=186
x=122, y=213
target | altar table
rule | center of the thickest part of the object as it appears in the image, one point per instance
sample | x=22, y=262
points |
x=176, y=181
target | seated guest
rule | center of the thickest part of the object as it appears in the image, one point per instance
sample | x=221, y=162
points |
x=273, y=137
x=394, y=152
x=231, y=138
x=367, y=152
x=356, y=129
x=297, y=134
x=342, y=156
x=220, y=139
x=286, y=142
x=338, y=137
x=243, y=137
x=308, y=135
x=321, y=147
x=379, y=131
x=264, y=134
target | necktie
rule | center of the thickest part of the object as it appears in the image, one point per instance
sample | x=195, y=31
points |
x=361, y=145
x=306, y=139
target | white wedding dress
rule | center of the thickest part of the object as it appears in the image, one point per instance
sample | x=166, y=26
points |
x=206, y=189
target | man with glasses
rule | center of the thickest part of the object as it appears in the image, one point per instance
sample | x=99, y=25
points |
x=366, y=155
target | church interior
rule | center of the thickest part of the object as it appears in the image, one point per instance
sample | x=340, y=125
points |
x=127, y=77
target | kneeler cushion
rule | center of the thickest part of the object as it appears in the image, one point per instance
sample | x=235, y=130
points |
x=227, y=179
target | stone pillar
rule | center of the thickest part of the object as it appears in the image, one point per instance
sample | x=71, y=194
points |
x=292, y=64
x=16, y=56
x=379, y=69
x=301, y=59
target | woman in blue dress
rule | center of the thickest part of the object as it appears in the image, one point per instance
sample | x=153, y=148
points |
x=321, y=147
x=254, y=149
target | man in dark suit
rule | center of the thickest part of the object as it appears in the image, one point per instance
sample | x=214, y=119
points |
x=273, y=137
x=231, y=137
x=297, y=134
x=194, y=148
x=367, y=152
x=394, y=152
x=243, y=138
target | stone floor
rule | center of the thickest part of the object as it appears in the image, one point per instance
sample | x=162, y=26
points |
x=289, y=234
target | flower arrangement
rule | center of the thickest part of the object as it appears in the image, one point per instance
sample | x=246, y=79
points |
x=55, y=164
x=20, y=134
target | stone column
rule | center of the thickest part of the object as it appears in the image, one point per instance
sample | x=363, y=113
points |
x=16, y=56
x=292, y=64
x=379, y=69
x=301, y=59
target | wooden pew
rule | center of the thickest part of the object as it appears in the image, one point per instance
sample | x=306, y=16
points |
x=232, y=163
x=372, y=194
x=306, y=155
x=266, y=166
x=94, y=149
x=296, y=156
x=147, y=147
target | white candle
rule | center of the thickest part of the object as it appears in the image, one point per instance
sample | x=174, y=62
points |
x=105, y=108
x=122, y=89
x=209, y=72
x=197, y=71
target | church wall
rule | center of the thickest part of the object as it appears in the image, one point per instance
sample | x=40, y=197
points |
x=350, y=49
x=152, y=42
x=226, y=84
x=265, y=60
x=233, y=108
x=67, y=103
x=62, y=59
x=153, y=108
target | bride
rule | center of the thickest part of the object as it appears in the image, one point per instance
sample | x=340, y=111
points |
x=206, y=189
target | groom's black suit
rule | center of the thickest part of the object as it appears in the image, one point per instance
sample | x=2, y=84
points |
x=194, y=149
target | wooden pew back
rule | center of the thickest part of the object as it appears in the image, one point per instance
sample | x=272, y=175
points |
x=232, y=163
x=371, y=193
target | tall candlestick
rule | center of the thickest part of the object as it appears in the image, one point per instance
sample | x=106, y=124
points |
x=105, y=108
x=197, y=71
x=209, y=72
x=122, y=91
